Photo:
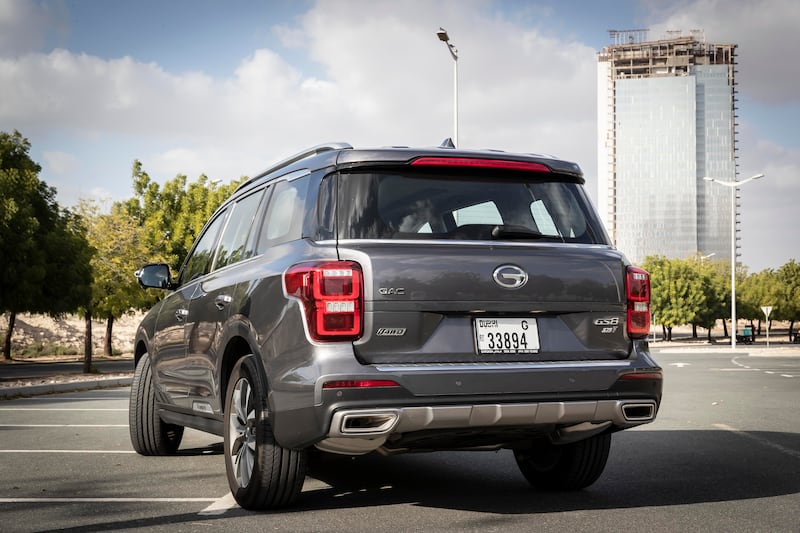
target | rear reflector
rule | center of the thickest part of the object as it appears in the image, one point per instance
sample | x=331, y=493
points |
x=331, y=294
x=637, y=288
x=480, y=163
x=636, y=376
x=359, y=384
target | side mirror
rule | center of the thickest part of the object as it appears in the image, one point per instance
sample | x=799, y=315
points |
x=154, y=276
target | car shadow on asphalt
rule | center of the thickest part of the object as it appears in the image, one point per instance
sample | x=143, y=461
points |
x=646, y=468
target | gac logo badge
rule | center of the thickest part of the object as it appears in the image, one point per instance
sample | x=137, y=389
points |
x=390, y=332
x=510, y=276
x=388, y=291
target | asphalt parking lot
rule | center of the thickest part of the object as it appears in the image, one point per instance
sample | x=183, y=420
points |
x=724, y=455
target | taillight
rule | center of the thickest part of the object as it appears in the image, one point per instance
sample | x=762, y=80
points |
x=637, y=288
x=331, y=294
x=479, y=163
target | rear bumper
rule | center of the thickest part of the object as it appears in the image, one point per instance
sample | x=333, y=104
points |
x=563, y=400
x=357, y=431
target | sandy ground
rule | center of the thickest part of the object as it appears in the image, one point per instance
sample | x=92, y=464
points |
x=68, y=331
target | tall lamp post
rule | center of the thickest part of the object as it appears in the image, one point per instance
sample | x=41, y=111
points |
x=734, y=186
x=442, y=34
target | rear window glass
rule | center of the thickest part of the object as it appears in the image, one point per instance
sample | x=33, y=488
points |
x=396, y=206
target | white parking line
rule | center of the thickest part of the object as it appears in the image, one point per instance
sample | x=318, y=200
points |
x=765, y=442
x=220, y=506
x=63, y=425
x=56, y=409
x=67, y=451
x=106, y=500
x=78, y=398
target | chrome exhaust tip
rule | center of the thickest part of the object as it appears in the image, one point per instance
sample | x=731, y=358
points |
x=368, y=423
x=639, y=412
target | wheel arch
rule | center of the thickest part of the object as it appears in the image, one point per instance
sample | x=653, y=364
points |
x=236, y=348
x=139, y=349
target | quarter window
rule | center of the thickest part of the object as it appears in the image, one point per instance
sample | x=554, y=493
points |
x=284, y=220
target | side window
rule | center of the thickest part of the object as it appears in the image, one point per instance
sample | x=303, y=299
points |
x=284, y=218
x=199, y=261
x=233, y=244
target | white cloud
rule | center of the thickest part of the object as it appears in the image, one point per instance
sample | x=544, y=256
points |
x=384, y=80
x=60, y=163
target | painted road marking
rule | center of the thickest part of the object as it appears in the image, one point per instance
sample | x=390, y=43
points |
x=760, y=440
x=106, y=500
x=220, y=506
x=63, y=425
x=67, y=451
x=55, y=409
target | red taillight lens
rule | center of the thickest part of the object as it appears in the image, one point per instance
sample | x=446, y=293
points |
x=359, y=384
x=637, y=288
x=479, y=163
x=331, y=293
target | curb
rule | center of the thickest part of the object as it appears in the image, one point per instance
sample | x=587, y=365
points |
x=36, y=390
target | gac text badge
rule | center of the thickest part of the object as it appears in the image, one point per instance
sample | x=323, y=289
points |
x=510, y=276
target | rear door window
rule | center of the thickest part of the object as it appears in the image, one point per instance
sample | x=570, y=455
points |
x=233, y=245
x=199, y=261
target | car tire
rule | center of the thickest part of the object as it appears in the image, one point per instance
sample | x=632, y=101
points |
x=261, y=473
x=149, y=434
x=564, y=467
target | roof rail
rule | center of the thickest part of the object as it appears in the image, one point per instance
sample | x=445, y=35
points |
x=314, y=150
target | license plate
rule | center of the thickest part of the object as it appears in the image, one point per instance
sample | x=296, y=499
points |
x=507, y=335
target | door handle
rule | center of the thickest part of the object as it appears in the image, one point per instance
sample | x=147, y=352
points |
x=222, y=301
x=180, y=314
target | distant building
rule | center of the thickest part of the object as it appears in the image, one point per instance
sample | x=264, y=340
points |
x=666, y=118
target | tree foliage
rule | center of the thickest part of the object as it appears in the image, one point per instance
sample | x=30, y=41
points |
x=119, y=250
x=45, y=266
x=679, y=291
x=172, y=214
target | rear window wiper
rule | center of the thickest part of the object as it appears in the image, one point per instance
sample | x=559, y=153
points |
x=521, y=232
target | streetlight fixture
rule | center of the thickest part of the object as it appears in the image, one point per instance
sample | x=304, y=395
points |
x=442, y=34
x=734, y=186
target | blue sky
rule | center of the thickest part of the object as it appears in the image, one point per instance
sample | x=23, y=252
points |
x=226, y=88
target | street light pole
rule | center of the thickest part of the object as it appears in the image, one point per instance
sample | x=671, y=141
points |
x=442, y=34
x=734, y=186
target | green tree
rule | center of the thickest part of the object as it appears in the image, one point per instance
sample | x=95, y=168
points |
x=118, y=251
x=755, y=291
x=787, y=306
x=678, y=294
x=716, y=292
x=45, y=267
x=172, y=215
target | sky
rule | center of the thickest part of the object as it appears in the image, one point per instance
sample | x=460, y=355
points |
x=226, y=88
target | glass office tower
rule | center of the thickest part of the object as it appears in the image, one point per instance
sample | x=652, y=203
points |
x=666, y=119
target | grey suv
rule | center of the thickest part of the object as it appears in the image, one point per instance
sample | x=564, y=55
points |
x=398, y=300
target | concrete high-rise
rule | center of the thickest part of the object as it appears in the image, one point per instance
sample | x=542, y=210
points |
x=666, y=118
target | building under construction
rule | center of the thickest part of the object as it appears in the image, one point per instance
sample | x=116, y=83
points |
x=666, y=119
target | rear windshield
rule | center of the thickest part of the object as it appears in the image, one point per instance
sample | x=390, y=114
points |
x=397, y=206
